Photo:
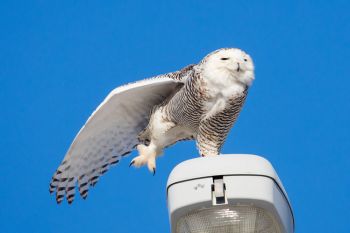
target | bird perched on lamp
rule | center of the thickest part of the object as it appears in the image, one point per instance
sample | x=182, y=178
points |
x=199, y=102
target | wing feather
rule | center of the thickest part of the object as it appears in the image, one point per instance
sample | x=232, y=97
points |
x=110, y=133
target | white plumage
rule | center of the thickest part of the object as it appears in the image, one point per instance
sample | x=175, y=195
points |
x=199, y=102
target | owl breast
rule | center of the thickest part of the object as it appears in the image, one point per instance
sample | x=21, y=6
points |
x=219, y=92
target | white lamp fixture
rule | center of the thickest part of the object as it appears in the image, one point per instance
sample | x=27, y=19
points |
x=228, y=193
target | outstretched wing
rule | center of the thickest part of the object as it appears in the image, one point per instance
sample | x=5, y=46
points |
x=110, y=133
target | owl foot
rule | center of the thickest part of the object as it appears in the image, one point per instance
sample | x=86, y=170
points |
x=147, y=155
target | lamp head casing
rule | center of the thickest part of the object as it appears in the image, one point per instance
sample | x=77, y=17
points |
x=251, y=193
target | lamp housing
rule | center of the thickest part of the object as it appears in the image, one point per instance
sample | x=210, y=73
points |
x=228, y=193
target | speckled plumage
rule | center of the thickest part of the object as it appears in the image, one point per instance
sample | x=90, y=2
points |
x=198, y=102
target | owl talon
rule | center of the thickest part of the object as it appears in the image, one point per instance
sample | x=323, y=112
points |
x=131, y=163
x=154, y=171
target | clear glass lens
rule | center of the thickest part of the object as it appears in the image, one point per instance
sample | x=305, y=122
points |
x=228, y=219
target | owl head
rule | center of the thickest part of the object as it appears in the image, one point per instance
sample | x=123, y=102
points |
x=231, y=62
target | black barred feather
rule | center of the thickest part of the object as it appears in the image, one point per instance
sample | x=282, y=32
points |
x=83, y=184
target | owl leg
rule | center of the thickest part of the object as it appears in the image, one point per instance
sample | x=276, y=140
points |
x=158, y=134
x=209, y=139
x=207, y=148
x=147, y=155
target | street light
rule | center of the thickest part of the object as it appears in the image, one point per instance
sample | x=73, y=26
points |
x=228, y=193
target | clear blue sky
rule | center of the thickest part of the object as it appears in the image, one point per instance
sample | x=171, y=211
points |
x=59, y=59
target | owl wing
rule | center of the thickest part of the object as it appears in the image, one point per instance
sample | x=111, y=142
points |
x=111, y=132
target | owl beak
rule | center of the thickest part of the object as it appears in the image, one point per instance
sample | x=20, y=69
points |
x=238, y=67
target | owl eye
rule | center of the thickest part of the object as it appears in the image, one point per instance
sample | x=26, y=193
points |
x=245, y=59
x=224, y=58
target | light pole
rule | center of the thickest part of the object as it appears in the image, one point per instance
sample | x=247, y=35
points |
x=228, y=193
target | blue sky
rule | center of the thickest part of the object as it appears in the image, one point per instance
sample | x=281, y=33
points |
x=59, y=59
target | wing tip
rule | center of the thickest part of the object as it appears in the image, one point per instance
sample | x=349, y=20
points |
x=63, y=185
x=59, y=199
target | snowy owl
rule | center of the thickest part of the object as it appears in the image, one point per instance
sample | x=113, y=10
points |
x=200, y=102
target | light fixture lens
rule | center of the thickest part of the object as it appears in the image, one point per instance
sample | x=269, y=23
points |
x=228, y=219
